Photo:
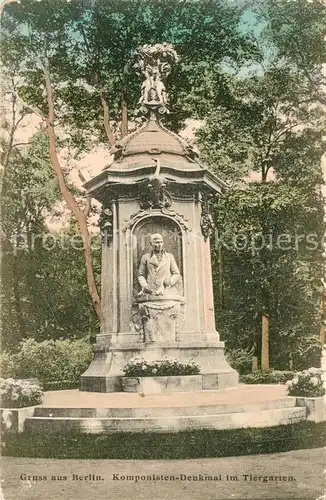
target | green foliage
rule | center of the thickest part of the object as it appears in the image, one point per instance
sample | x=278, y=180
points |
x=297, y=32
x=90, y=48
x=19, y=393
x=7, y=364
x=51, y=360
x=308, y=383
x=29, y=192
x=44, y=290
x=260, y=128
x=267, y=253
x=240, y=359
x=61, y=385
x=138, y=367
x=272, y=377
x=168, y=446
x=260, y=121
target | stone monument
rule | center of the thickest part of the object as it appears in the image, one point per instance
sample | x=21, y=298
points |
x=156, y=289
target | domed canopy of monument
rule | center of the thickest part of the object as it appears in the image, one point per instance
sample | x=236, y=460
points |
x=153, y=150
x=152, y=139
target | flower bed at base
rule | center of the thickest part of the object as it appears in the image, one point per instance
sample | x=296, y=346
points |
x=139, y=367
x=19, y=393
x=18, y=399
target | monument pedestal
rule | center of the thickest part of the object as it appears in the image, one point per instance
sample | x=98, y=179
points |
x=104, y=374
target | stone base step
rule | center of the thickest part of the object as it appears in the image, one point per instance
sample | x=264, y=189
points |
x=163, y=412
x=97, y=425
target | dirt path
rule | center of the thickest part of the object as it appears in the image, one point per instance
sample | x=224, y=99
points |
x=288, y=476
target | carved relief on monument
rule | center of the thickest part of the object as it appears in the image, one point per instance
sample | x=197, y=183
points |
x=106, y=225
x=159, y=307
x=154, y=193
x=206, y=220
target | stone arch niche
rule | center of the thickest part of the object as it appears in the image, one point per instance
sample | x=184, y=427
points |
x=158, y=318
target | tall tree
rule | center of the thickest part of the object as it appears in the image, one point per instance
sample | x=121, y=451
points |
x=297, y=30
x=75, y=61
x=43, y=285
x=268, y=133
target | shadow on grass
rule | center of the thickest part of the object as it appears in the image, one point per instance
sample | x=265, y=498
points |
x=160, y=446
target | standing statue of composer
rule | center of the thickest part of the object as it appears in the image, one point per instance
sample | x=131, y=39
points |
x=158, y=271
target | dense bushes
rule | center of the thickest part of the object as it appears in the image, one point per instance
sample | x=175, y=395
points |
x=168, y=446
x=240, y=359
x=272, y=377
x=19, y=393
x=308, y=383
x=7, y=365
x=50, y=361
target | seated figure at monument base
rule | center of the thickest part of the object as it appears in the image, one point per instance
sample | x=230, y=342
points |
x=160, y=301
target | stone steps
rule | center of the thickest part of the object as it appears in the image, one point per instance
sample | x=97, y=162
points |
x=173, y=423
x=163, y=412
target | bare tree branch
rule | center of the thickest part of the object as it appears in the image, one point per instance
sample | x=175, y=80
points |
x=103, y=97
x=6, y=2
x=106, y=118
x=30, y=107
x=68, y=196
x=6, y=154
x=17, y=144
x=87, y=206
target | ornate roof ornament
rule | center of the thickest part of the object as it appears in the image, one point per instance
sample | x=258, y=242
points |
x=155, y=63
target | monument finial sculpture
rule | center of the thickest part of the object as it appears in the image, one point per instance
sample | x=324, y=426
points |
x=155, y=63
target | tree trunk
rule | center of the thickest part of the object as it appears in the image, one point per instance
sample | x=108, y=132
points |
x=323, y=318
x=5, y=156
x=322, y=333
x=254, y=364
x=124, y=116
x=16, y=280
x=17, y=299
x=124, y=107
x=255, y=340
x=106, y=118
x=264, y=301
x=80, y=216
x=265, y=341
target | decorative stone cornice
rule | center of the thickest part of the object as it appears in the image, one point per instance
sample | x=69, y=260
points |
x=142, y=213
x=110, y=183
